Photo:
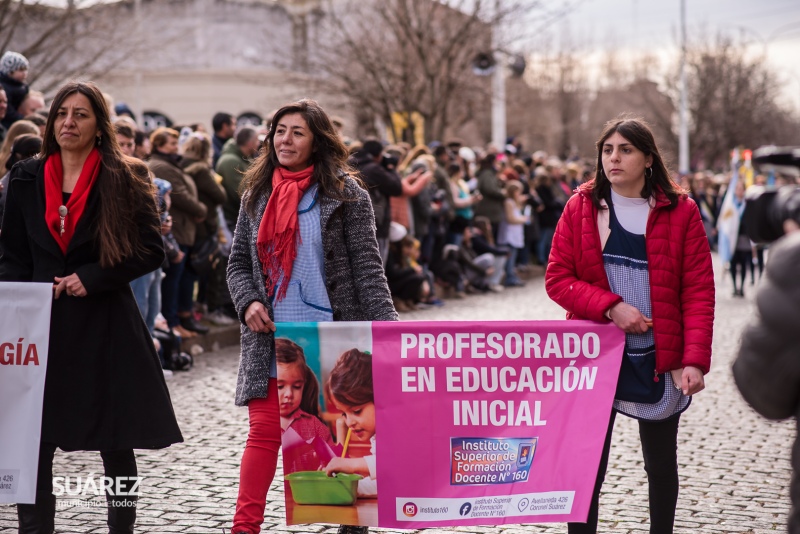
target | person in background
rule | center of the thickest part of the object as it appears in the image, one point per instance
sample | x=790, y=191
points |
x=490, y=187
x=196, y=162
x=13, y=75
x=32, y=103
x=25, y=146
x=39, y=120
x=147, y=288
x=550, y=213
x=511, y=233
x=3, y=109
x=603, y=267
x=412, y=208
x=304, y=250
x=442, y=181
x=743, y=250
x=382, y=183
x=707, y=201
x=18, y=128
x=463, y=200
x=224, y=125
x=142, y=145
x=481, y=238
x=767, y=368
x=407, y=281
x=177, y=287
x=126, y=138
x=237, y=154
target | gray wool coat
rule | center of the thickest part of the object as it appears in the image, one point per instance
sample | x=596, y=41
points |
x=354, y=277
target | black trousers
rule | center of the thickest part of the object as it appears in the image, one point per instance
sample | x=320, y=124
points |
x=39, y=518
x=741, y=261
x=660, y=450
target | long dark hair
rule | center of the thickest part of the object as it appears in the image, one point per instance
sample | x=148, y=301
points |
x=328, y=155
x=288, y=352
x=350, y=381
x=638, y=133
x=123, y=186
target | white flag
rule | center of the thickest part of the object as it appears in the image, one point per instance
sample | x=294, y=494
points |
x=729, y=217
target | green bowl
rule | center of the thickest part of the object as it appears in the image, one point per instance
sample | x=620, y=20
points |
x=315, y=487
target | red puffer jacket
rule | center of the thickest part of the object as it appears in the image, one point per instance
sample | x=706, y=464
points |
x=681, y=277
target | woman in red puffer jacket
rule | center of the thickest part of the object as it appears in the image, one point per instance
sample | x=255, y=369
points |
x=630, y=248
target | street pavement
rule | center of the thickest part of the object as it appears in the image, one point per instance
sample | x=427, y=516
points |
x=734, y=465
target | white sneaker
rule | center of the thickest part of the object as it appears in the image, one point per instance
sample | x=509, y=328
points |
x=167, y=374
x=496, y=288
x=219, y=318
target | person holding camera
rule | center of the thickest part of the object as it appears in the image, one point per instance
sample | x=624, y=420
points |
x=631, y=248
x=767, y=369
x=380, y=175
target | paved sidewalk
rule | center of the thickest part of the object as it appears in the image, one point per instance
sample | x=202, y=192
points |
x=734, y=465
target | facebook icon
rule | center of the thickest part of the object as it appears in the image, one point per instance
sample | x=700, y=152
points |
x=465, y=509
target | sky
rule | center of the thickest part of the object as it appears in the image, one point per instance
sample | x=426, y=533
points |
x=772, y=26
x=634, y=26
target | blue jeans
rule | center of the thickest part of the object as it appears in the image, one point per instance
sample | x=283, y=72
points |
x=147, y=290
x=511, y=262
x=544, y=244
x=171, y=289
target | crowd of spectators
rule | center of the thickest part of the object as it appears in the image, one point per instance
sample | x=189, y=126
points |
x=451, y=219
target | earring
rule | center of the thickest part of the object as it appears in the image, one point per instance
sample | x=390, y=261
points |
x=98, y=140
x=651, y=172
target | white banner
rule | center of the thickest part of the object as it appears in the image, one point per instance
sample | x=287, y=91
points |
x=24, y=340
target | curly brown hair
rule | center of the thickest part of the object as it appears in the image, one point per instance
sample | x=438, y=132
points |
x=328, y=155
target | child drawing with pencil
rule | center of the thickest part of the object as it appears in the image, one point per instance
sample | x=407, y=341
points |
x=298, y=395
x=350, y=389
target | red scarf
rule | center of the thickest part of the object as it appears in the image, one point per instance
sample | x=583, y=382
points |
x=53, y=196
x=279, y=231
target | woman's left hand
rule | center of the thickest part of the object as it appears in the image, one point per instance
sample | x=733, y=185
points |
x=71, y=285
x=690, y=379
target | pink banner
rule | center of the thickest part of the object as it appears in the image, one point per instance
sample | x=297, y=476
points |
x=478, y=423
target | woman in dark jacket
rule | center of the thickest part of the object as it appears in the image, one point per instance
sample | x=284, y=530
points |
x=196, y=162
x=548, y=216
x=25, y=146
x=177, y=288
x=85, y=220
x=304, y=250
x=767, y=370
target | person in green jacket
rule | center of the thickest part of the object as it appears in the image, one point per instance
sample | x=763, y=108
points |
x=237, y=154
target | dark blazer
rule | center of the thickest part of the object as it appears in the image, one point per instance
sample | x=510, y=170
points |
x=354, y=276
x=186, y=206
x=209, y=193
x=104, y=388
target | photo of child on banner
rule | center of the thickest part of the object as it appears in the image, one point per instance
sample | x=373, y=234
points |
x=328, y=422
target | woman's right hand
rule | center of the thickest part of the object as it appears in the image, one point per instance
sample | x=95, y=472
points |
x=257, y=319
x=629, y=319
